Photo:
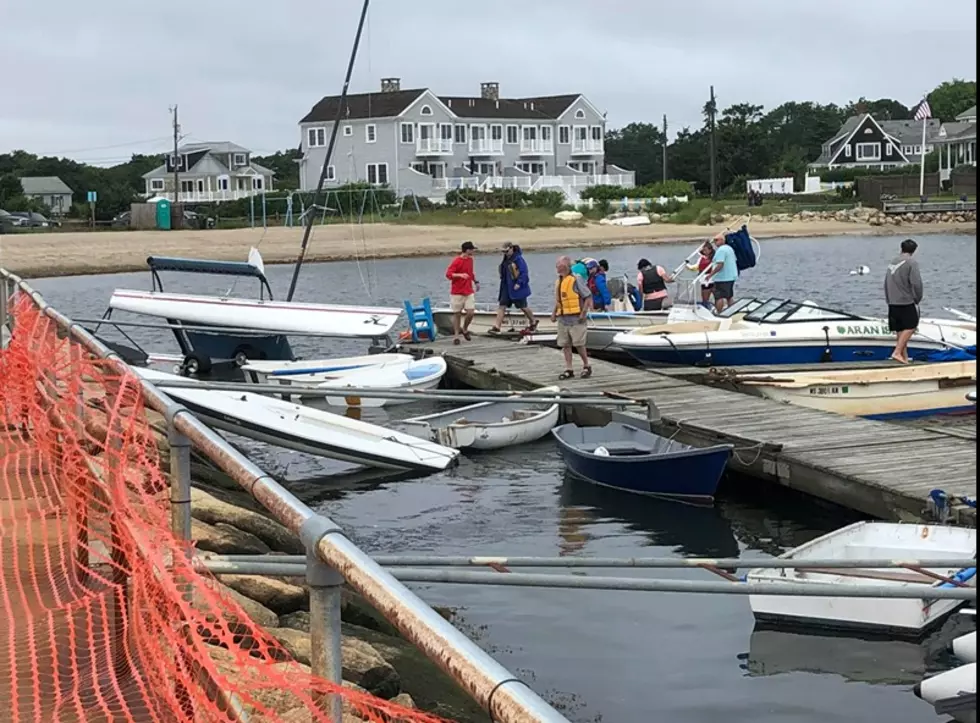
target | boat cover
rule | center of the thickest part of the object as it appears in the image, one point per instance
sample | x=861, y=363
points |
x=741, y=243
x=952, y=354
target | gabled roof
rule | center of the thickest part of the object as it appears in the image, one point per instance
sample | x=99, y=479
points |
x=909, y=132
x=43, y=186
x=213, y=146
x=970, y=112
x=363, y=105
x=211, y=164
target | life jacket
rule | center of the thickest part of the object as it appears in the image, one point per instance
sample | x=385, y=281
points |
x=653, y=282
x=568, y=301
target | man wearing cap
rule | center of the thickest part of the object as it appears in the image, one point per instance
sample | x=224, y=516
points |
x=462, y=290
x=515, y=287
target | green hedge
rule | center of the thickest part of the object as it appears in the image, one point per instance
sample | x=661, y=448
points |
x=669, y=188
x=504, y=198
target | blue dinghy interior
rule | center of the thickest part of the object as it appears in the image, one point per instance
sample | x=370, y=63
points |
x=628, y=458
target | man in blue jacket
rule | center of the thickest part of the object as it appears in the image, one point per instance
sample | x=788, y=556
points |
x=515, y=287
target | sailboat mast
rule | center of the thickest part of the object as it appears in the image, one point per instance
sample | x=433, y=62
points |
x=308, y=227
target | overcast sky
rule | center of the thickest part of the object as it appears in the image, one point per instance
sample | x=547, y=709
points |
x=93, y=80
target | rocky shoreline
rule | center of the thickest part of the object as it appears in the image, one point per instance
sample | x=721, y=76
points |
x=869, y=216
x=376, y=658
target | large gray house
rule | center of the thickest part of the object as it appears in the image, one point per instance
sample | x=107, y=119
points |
x=863, y=142
x=419, y=143
x=218, y=171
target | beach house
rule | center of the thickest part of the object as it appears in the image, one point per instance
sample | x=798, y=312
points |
x=417, y=142
x=957, y=143
x=218, y=171
x=863, y=142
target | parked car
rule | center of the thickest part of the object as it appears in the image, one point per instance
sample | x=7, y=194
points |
x=10, y=220
x=122, y=219
x=34, y=220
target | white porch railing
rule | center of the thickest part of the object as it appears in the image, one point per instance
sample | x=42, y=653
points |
x=536, y=147
x=567, y=184
x=205, y=196
x=587, y=146
x=434, y=147
x=486, y=147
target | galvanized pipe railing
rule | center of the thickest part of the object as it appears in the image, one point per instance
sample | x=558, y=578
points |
x=505, y=697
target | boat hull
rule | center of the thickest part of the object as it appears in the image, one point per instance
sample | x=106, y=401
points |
x=693, y=473
x=894, y=400
x=260, y=315
x=813, y=352
x=419, y=375
x=315, y=371
x=482, y=426
x=948, y=686
x=879, y=540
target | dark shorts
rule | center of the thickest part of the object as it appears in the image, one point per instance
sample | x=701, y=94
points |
x=653, y=304
x=723, y=290
x=903, y=318
x=516, y=303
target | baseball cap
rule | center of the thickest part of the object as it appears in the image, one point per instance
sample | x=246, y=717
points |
x=467, y=246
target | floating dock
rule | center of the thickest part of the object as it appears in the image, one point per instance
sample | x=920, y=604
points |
x=877, y=468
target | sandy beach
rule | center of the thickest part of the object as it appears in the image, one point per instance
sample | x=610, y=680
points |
x=69, y=254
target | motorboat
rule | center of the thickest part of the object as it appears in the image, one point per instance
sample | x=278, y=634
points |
x=413, y=377
x=780, y=331
x=628, y=458
x=313, y=371
x=224, y=327
x=488, y=425
x=306, y=429
x=885, y=393
x=872, y=541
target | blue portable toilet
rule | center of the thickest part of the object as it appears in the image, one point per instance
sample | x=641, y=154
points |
x=163, y=214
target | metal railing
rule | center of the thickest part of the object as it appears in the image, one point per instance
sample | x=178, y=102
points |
x=331, y=557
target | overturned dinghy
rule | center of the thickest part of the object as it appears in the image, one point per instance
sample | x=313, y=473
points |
x=306, y=429
x=488, y=425
x=315, y=371
x=953, y=693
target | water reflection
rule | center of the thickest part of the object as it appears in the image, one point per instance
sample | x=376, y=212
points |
x=858, y=659
x=689, y=530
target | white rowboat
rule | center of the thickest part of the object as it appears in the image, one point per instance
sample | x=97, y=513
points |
x=314, y=371
x=416, y=376
x=307, y=429
x=282, y=317
x=952, y=693
x=900, y=391
x=870, y=540
x=488, y=425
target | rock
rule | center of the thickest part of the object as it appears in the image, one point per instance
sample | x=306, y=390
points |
x=278, y=596
x=354, y=609
x=363, y=664
x=224, y=539
x=569, y=216
x=404, y=700
x=257, y=613
x=207, y=508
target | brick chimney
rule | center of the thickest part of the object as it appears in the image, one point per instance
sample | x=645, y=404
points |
x=391, y=85
x=490, y=91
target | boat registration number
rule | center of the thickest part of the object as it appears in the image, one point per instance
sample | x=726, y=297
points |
x=822, y=391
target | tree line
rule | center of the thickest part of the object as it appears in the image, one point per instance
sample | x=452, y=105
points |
x=749, y=143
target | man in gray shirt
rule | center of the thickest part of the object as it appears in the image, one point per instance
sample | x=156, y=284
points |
x=903, y=293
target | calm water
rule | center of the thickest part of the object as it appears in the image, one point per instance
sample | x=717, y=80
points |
x=614, y=656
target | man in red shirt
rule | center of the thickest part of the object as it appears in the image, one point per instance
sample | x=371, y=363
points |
x=462, y=291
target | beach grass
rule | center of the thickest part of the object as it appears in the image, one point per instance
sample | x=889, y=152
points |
x=487, y=218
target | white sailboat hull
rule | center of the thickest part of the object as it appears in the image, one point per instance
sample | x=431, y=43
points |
x=869, y=540
x=273, y=316
x=488, y=425
x=876, y=394
x=416, y=376
x=306, y=429
x=960, y=681
x=314, y=371
x=965, y=647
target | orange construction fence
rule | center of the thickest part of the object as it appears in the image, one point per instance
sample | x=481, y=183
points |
x=102, y=616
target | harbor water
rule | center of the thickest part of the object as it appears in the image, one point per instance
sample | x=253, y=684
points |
x=609, y=656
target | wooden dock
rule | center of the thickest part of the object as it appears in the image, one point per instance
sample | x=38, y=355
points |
x=881, y=469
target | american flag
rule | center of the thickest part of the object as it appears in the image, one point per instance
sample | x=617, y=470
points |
x=923, y=111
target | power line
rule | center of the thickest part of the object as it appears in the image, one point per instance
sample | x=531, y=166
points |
x=102, y=148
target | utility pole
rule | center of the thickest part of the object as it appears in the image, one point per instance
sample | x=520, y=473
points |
x=665, y=148
x=176, y=156
x=711, y=130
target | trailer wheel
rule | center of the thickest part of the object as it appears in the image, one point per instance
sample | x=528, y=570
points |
x=196, y=364
x=246, y=352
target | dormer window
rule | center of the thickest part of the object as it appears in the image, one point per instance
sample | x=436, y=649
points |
x=425, y=110
x=239, y=159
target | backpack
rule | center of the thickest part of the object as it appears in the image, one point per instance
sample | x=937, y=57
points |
x=741, y=244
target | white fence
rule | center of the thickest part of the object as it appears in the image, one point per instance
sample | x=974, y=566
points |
x=569, y=185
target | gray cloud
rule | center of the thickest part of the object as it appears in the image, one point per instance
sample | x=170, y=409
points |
x=96, y=79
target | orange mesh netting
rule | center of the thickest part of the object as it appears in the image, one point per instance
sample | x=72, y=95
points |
x=102, y=617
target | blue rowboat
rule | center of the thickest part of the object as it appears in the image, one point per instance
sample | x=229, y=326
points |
x=631, y=459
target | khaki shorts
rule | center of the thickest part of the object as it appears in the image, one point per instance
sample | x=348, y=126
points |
x=459, y=302
x=572, y=335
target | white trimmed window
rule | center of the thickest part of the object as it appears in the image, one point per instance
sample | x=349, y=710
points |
x=868, y=151
x=847, y=151
x=156, y=184
x=580, y=114
x=239, y=159
x=348, y=130
x=316, y=137
x=513, y=135
x=377, y=173
x=461, y=134
x=223, y=183
x=496, y=132
x=257, y=183
x=370, y=133
x=596, y=133
x=564, y=134
x=331, y=173
x=446, y=132
x=408, y=133
x=425, y=110
x=888, y=149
